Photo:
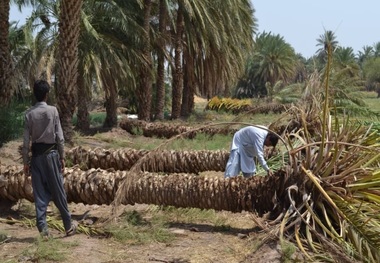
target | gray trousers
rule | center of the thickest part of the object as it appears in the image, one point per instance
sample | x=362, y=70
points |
x=233, y=167
x=47, y=182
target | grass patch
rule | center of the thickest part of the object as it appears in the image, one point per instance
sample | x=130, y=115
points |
x=96, y=119
x=288, y=249
x=49, y=250
x=26, y=208
x=202, y=142
x=3, y=236
x=153, y=224
x=134, y=229
x=192, y=215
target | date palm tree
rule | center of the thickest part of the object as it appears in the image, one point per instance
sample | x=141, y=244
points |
x=177, y=83
x=273, y=60
x=144, y=91
x=218, y=39
x=161, y=42
x=328, y=38
x=35, y=51
x=68, y=38
x=6, y=88
x=366, y=53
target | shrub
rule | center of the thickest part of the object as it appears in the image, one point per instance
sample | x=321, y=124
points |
x=12, y=121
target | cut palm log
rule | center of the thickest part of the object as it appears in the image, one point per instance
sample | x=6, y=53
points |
x=165, y=130
x=97, y=186
x=166, y=161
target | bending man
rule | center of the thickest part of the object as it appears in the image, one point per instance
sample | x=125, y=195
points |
x=248, y=143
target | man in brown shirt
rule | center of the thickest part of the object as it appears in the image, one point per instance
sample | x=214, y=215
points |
x=43, y=130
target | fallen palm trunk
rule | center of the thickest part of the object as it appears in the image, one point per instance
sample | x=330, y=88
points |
x=163, y=130
x=97, y=186
x=159, y=161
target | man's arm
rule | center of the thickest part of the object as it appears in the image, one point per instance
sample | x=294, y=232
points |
x=60, y=140
x=259, y=145
x=25, y=147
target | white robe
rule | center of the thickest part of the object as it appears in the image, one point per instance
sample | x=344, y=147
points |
x=249, y=142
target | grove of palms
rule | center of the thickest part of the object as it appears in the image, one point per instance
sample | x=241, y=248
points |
x=157, y=55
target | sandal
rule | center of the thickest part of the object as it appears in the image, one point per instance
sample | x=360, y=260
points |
x=72, y=230
x=45, y=235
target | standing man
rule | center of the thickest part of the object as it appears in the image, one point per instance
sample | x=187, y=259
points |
x=43, y=130
x=247, y=143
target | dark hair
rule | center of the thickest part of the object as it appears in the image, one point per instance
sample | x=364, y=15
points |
x=272, y=138
x=40, y=89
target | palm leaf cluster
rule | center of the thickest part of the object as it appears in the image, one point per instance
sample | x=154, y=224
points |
x=135, y=49
x=237, y=106
x=338, y=200
x=339, y=197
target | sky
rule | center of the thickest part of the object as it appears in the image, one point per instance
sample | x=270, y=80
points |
x=301, y=22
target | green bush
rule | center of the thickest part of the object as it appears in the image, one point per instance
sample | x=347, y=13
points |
x=96, y=119
x=12, y=121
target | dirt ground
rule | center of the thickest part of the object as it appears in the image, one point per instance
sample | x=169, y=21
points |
x=192, y=243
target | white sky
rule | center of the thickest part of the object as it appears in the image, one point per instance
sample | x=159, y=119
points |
x=301, y=22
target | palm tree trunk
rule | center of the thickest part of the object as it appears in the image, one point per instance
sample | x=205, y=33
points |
x=177, y=85
x=97, y=186
x=110, y=97
x=69, y=31
x=164, y=130
x=188, y=84
x=158, y=161
x=6, y=88
x=83, y=121
x=160, y=92
x=144, y=93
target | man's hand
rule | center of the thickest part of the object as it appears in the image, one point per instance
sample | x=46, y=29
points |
x=27, y=169
x=62, y=165
x=270, y=173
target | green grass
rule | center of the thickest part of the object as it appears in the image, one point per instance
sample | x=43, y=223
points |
x=96, y=119
x=49, y=250
x=3, y=236
x=134, y=229
x=373, y=103
x=191, y=215
x=139, y=142
x=202, y=142
x=153, y=224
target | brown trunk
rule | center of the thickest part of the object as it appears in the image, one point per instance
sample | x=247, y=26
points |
x=160, y=92
x=177, y=85
x=164, y=130
x=158, y=161
x=6, y=88
x=188, y=85
x=99, y=187
x=144, y=93
x=69, y=30
x=83, y=116
x=111, y=99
